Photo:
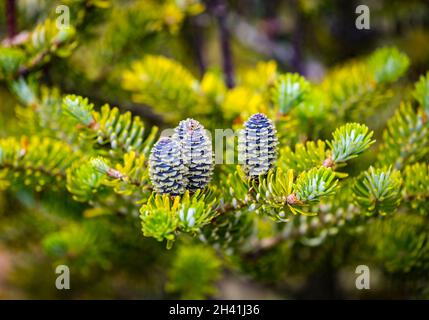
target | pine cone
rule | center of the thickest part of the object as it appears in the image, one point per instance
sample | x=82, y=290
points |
x=257, y=145
x=166, y=167
x=197, y=153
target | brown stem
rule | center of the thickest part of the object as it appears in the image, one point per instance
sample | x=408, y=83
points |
x=297, y=41
x=117, y=175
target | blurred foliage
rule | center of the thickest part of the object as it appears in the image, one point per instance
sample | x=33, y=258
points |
x=81, y=108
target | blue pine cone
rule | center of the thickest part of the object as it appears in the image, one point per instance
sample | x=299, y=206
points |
x=167, y=170
x=197, y=153
x=257, y=145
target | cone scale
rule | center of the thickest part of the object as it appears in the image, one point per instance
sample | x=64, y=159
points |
x=166, y=167
x=197, y=153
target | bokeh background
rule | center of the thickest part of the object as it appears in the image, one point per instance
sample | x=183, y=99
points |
x=304, y=36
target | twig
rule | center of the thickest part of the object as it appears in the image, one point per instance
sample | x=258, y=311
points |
x=260, y=246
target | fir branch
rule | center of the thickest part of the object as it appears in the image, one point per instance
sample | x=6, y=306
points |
x=11, y=18
x=11, y=60
x=349, y=141
x=315, y=184
x=167, y=167
x=34, y=64
x=121, y=132
x=388, y=64
x=42, y=114
x=83, y=181
x=416, y=187
x=219, y=8
x=197, y=153
x=153, y=81
x=289, y=91
x=163, y=216
x=305, y=156
x=80, y=109
x=45, y=41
